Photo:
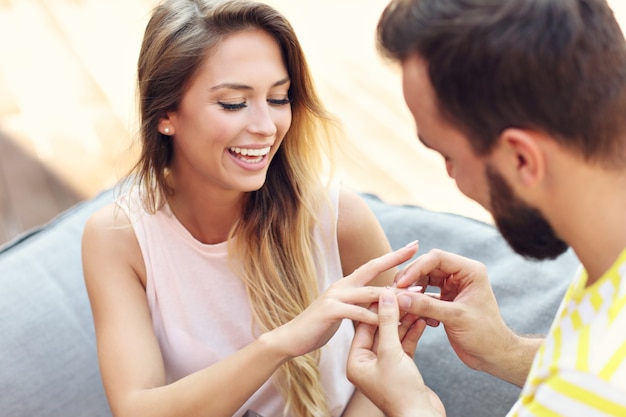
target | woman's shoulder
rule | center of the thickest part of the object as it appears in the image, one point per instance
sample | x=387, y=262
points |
x=355, y=219
x=108, y=222
x=109, y=241
x=353, y=210
x=109, y=215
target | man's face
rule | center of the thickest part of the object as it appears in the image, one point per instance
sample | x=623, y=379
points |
x=462, y=164
x=522, y=226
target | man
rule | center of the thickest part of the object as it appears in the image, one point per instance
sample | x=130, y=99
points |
x=526, y=101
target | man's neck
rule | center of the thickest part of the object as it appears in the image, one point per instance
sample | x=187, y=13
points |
x=589, y=213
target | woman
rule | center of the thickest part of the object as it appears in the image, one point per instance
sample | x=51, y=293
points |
x=215, y=279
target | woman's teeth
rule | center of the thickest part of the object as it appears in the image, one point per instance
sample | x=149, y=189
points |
x=249, y=154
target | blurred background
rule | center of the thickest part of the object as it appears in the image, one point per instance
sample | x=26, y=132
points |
x=67, y=104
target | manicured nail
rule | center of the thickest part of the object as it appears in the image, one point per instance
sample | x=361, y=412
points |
x=387, y=297
x=412, y=244
x=404, y=301
x=415, y=288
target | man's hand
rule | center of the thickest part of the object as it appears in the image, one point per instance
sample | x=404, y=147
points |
x=468, y=309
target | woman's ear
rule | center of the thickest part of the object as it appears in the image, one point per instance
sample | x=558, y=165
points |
x=165, y=126
x=520, y=156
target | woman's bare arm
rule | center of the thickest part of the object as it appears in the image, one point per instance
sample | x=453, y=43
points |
x=130, y=358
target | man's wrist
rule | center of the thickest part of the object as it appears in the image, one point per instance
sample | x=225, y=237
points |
x=515, y=359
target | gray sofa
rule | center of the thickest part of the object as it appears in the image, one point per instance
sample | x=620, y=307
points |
x=48, y=362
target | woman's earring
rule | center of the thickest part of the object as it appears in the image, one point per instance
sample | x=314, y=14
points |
x=166, y=130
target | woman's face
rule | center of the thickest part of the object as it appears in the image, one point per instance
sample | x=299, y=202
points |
x=233, y=116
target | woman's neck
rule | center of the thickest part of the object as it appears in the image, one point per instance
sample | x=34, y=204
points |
x=207, y=213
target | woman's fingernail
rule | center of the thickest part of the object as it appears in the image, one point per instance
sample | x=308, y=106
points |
x=412, y=244
x=404, y=301
x=387, y=297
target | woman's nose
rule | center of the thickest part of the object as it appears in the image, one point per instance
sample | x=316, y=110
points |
x=262, y=122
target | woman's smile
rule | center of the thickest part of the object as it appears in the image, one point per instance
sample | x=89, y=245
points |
x=250, y=157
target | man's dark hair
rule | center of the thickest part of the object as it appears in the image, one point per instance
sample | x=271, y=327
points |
x=558, y=66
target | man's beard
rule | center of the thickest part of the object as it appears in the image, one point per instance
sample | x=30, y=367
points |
x=523, y=227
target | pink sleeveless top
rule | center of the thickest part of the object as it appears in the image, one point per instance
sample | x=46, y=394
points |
x=197, y=326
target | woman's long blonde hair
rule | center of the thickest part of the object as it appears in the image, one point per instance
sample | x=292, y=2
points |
x=274, y=252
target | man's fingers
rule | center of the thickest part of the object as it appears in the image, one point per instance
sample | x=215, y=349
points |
x=437, y=265
x=423, y=305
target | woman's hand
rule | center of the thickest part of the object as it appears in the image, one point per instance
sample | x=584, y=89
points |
x=344, y=299
x=381, y=364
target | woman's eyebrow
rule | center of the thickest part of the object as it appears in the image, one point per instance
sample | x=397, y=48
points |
x=238, y=86
x=231, y=86
x=281, y=82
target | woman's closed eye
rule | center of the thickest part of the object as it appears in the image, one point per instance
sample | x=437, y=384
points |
x=232, y=106
x=279, y=101
x=283, y=101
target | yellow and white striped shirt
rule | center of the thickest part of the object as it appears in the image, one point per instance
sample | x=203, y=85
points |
x=580, y=370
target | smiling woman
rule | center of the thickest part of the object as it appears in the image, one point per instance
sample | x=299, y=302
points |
x=222, y=258
x=246, y=108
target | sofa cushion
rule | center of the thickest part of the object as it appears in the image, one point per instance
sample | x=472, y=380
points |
x=47, y=349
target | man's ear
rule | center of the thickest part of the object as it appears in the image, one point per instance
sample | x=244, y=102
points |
x=520, y=156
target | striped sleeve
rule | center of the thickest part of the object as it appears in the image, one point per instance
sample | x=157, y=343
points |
x=580, y=370
x=576, y=394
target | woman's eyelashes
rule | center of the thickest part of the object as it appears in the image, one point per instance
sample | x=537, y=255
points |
x=279, y=101
x=232, y=106
x=241, y=105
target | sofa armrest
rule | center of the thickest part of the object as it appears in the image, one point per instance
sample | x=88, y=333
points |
x=47, y=349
